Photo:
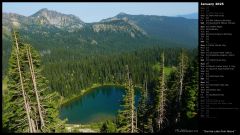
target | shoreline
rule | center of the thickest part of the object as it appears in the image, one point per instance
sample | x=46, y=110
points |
x=85, y=91
x=90, y=127
x=68, y=100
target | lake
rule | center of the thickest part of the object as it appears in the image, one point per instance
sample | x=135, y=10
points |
x=97, y=105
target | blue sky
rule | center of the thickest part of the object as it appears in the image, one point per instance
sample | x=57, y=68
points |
x=93, y=12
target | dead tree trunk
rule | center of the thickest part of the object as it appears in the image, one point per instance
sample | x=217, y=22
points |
x=26, y=103
x=181, y=78
x=35, y=86
x=182, y=68
x=132, y=108
x=161, y=110
x=136, y=122
x=131, y=88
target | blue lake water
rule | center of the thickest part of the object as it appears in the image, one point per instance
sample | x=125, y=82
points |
x=99, y=104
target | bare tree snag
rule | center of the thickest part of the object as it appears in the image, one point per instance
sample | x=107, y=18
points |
x=35, y=86
x=26, y=104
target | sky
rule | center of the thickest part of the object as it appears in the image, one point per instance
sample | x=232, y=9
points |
x=94, y=12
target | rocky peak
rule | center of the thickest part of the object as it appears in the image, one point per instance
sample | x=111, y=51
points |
x=121, y=13
x=12, y=19
x=121, y=21
x=45, y=16
x=118, y=25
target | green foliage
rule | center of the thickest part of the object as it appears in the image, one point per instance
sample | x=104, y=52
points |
x=192, y=89
x=191, y=103
x=189, y=96
x=20, y=104
x=126, y=116
x=160, y=96
x=14, y=117
x=108, y=127
x=167, y=70
x=175, y=29
x=69, y=73
x=76, y=66
x=144, y=111
x=72, y=63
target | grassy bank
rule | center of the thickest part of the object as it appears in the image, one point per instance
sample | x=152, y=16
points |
x=86, y=128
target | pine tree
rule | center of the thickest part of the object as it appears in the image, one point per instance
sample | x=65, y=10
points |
x=16, y=110
x=142, y=109
x=183, y=64
x=28, y=104
x=45, y=102
x=126, y=120
x=191, y=89
x=108, y=127
x=160, y=98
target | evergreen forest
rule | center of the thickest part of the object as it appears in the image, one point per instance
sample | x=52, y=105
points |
x=45, y=67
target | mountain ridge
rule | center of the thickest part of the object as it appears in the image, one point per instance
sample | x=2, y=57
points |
x=163, y=28
x=121, y=33
x=189, y=16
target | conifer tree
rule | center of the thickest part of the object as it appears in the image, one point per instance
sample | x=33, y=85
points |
x=28, y=106
x=142, y=109
x=181, y=70
x=126, y=120
x=16, y=108
x=191, y=89
x=108, y=127
x=160, y=98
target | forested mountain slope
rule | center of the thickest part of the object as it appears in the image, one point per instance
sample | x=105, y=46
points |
x=73, y=49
